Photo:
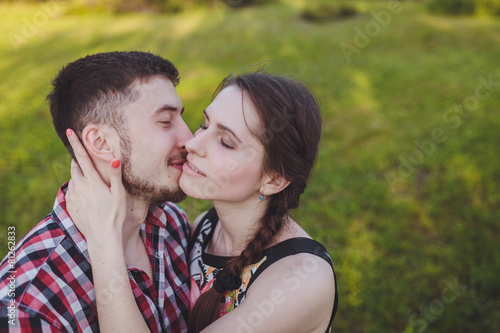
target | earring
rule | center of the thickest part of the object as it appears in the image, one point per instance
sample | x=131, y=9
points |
x=261, y=197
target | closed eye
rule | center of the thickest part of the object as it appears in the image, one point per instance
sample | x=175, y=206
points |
x=226, y=145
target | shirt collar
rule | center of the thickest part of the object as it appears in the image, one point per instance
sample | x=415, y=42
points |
x=157, y=216
x=63, y=219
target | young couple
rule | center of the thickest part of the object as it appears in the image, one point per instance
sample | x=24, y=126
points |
x=243, y=266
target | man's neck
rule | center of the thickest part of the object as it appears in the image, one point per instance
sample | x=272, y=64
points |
x=133, y=244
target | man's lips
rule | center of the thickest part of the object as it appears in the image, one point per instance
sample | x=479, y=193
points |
x=178, y=163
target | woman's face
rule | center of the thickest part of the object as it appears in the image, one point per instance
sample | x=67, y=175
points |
x=224, y=161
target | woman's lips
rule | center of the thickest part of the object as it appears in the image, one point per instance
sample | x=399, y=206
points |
x=191, y=169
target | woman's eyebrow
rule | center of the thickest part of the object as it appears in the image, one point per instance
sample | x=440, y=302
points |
x=223, y=127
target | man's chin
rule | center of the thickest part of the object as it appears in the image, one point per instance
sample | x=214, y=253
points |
x=174, y=197
x=161, y=197
x=150, y=194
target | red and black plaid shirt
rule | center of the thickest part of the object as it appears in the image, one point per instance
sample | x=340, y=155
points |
x=50, y=289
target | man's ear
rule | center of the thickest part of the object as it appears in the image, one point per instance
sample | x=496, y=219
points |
x=96, y=139
x=273, y=184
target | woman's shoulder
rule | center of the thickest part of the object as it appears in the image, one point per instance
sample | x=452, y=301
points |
x=302, y=266
x=303, y=279
x=298, y=254
x=296, y=262
x=293, y=244
x=291, y=230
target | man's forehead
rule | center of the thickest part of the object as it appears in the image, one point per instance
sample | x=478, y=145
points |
x=156, y=86
x=152, y=83
x=154, y=96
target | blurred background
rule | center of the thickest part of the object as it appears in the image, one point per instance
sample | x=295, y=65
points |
x=405, y=194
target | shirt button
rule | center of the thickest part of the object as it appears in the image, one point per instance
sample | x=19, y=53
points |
x=157, y=255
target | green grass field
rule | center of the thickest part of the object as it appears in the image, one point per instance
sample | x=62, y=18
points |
x=406, y=190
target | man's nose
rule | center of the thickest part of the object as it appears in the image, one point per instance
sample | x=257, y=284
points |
x=184, y=134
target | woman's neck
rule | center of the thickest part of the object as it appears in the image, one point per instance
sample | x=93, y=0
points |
x=238, y=224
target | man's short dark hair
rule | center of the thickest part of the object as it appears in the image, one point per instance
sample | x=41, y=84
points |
x=94, y=89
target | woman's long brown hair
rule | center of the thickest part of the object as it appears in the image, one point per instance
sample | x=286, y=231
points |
x=291, y=130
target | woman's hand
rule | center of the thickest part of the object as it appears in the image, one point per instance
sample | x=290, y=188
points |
x=98, y=210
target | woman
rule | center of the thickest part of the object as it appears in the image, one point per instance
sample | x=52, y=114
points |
x=252, y=157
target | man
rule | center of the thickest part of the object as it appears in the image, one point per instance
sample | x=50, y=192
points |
x=122, y=105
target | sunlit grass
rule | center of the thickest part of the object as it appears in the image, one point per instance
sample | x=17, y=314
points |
x=393, y=246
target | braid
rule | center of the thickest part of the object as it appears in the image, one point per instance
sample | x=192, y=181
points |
x=270, y=224
x=206, y=309
x=289, y=151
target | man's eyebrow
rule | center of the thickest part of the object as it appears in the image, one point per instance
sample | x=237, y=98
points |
x=222, y=127
x=168, y=107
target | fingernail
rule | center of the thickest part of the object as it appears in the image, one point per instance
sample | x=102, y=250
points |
x=115, y=164
x=69, y=132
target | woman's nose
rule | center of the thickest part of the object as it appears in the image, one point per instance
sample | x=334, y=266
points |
x=195, y=145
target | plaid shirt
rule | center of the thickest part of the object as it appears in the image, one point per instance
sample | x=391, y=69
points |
x=49, y=287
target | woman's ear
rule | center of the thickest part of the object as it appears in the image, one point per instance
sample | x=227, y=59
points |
x=273, y=184
x=95, y=139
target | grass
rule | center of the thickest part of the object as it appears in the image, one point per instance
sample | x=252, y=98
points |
x=397, y=249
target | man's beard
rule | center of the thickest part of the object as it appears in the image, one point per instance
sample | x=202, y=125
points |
x=144, y=189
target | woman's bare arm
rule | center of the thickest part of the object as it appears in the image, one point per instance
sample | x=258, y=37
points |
x=98, y=210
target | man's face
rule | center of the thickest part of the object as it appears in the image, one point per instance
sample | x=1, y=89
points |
x=153, y=141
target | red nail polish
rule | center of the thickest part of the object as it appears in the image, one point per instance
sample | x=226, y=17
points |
x=116, y=164
x=69, y=132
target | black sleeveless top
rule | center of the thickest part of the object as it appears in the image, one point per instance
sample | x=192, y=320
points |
x=203, y=266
